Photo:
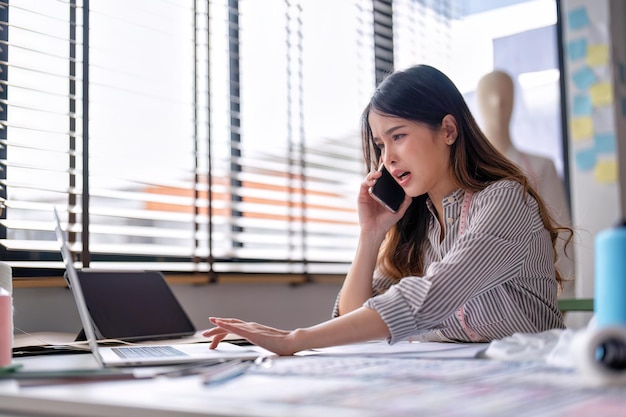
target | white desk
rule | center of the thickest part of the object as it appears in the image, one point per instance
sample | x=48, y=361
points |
x=347, y=385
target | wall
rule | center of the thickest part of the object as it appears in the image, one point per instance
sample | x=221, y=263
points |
x=278, y=305
x=594, y=115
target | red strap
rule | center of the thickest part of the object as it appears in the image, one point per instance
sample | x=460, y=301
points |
x=464, y=211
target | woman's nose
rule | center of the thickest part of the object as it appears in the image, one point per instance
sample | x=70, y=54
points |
x=388, y=157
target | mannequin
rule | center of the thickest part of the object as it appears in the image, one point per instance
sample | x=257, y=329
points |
x=495, y=97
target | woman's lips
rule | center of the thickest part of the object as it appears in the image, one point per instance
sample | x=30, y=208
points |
x=403, y=177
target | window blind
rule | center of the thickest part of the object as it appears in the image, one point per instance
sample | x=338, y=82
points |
x=201, y=136
x=39, y=123
x=221, y=136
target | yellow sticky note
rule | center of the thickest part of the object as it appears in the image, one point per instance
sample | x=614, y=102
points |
x=582, y=127
x=601, y=94
x=597, y=55
x=606, y=171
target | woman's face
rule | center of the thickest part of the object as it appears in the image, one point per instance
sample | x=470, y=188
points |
x=415, y=155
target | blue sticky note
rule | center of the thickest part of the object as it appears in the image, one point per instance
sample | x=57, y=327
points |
x=584, y=78
x=585, y=159
x=604, y=142
x=623, y=106
x=582, y=105
x=577, y=18
x=577, y=49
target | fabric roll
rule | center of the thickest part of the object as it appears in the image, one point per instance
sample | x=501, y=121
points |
x=600, y=355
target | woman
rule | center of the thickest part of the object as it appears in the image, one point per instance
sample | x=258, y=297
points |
x=468, y=257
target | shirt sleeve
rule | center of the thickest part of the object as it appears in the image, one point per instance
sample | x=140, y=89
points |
x=380, y=284
x=502, y=222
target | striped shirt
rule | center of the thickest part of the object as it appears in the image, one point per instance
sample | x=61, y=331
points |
x=494, y=279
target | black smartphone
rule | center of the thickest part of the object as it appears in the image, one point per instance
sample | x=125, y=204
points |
x=387, y=191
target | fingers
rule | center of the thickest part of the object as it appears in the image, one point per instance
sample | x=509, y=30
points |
x=216, y=340
x=217, y=333
x=370, y=179
x=212, y=332
x=228, y=326
x=216, y=320
x=247, y=330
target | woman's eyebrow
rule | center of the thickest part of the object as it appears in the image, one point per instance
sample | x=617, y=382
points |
x=393, y=129
x=388, y=132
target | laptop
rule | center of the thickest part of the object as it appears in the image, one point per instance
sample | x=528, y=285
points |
x=144, y=354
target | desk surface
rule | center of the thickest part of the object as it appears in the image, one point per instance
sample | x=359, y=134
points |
x=332, y=384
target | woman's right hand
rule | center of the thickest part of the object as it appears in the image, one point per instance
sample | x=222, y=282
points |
x=373, y=216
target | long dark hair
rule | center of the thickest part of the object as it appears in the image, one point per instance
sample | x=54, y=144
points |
x=425, y=95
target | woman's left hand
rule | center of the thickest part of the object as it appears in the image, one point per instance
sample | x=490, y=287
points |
x=278, y=341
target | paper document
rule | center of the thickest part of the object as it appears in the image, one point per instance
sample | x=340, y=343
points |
x=432, y=350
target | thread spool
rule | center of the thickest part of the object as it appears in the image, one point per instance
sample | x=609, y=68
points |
x=610, y=277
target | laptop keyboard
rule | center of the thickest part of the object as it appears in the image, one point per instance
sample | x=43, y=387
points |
x=147, y=352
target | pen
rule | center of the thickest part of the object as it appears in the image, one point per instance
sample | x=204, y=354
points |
x=190, y=369
x=221, y=373
x=10, y=369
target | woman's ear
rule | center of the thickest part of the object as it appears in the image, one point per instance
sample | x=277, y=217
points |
x=449, y=128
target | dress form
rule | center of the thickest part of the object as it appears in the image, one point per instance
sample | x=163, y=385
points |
x=495, y=97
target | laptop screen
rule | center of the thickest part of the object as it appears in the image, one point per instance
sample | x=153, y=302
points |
x=133, y=305
x=74, y=284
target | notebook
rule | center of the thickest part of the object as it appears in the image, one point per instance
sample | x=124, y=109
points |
x=144, y=354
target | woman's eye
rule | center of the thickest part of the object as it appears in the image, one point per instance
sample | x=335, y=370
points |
x=398, y=136
x=379, y=145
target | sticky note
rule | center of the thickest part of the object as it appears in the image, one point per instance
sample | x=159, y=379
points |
x=581, y=105
x=585, y=159
x=577, y=49
x=577, y=18
x=623, y=106
x=605, y=143
x=601, y=94
x=582, y=127
x=606, y=171
x=597, y=55
x=584, y=78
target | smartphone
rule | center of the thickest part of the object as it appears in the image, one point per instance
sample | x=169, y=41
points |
x=387, y=191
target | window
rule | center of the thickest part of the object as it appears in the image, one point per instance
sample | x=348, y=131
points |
x=185, y=136
x=197, y=136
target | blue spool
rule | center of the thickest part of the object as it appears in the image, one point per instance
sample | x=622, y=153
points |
x=610, y=278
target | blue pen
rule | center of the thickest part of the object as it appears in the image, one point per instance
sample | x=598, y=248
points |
x=225, y=372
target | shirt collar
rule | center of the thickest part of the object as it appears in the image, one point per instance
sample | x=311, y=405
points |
x=455, y=197
x=452, y=206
